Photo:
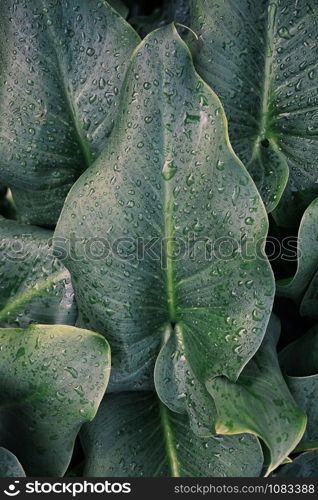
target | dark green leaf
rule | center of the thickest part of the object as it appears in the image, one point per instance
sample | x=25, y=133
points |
x=306, y=465
x=35, y=286
x=10, y=465
x=62, y=66
x=300, y=363
x=303, y=287
x=260, y=57
x=52, y=381
x=135, y=435
x=300, y=358
x=260, y=403
x=169, y=182
x=305, y=393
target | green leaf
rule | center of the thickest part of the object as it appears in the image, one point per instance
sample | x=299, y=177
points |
x=305, y=465
x=169, y=179
x=260, y=58
x=304, y=390
x=62, y=68
x=260, y=403
x=302, y=287
x=10, y=465
x=135, y=435
x=299, y=360
x=35, y=286
x=52, y=381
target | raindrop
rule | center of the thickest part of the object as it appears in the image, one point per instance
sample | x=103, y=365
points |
x=169, y=170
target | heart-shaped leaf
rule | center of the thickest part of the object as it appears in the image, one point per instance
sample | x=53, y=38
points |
x=62, y=66
x=10, y=465
x=52, y=381
x=302, y=288
x=260, y=403
x=260, y=57
x=299, y=361
x=164, y=236
x=134, y=434
x=35, y=287
x=305, y=465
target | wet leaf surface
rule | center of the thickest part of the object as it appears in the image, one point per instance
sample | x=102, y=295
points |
x=62, y=66
x=169, y=179
x=260, y=57
x=52, y=381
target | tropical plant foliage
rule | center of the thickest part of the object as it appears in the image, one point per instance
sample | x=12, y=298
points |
x=151, y=157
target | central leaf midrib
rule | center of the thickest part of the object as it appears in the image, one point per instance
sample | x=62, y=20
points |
x=29, y=294
x=263, y=130
x=168, y=220
x=168, y=235
x=77, y=128
x=169, y=441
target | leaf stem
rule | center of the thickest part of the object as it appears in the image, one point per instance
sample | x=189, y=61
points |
x=169, y=441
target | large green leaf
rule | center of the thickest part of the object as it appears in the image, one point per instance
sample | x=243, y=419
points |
x=305, y=465
x=302, y=288
x=52, y=381
x=10, y=465
x=260, y=403
x=135, y=435
x=62, y=66
x=260, y=57
x=169, y=179
x=34, y=285
x=299, y=361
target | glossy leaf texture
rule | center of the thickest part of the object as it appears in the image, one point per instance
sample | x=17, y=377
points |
x=260, y=403
x=305, y=465
x=10, y=465
x=35, y=287
x=153, y=218
x=299, y=361
x=62, y=67
x=134, y=435
x=260, y=57
x=303, y=287
x=52, y=381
